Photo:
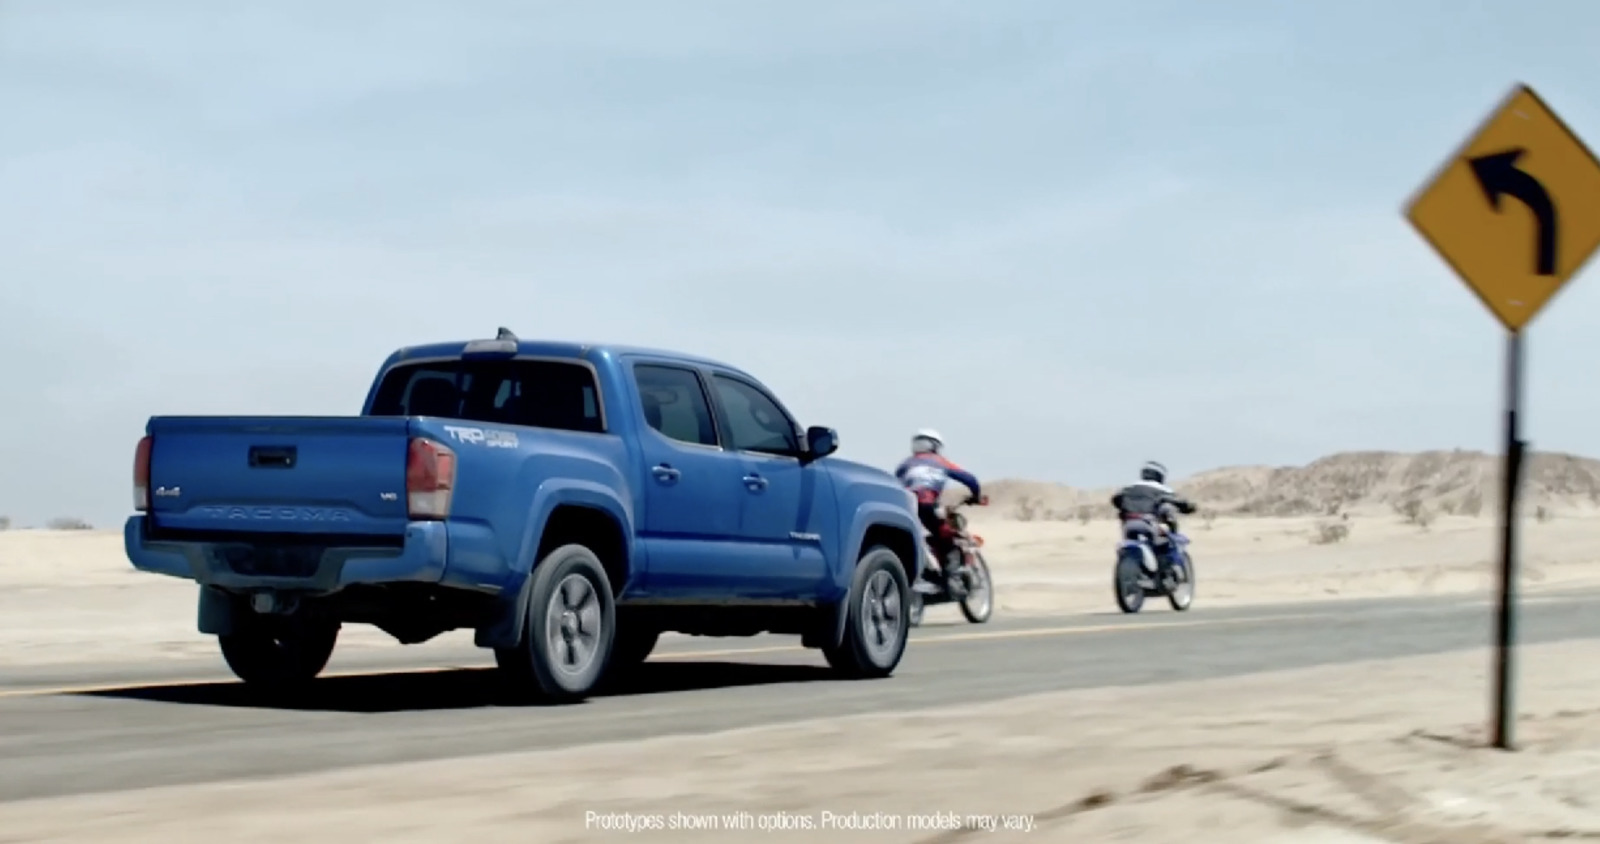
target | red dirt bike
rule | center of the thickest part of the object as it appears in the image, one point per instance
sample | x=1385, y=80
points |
x=969, y=583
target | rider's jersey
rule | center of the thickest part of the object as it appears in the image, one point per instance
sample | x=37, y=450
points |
x=1148, y=498
x=926, y=475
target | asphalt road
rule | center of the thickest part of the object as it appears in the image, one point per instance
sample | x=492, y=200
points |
x=187, y=724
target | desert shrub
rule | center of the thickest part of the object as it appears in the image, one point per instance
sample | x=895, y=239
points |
x=1329, y=532
x=1415, y=512
x=1207, y=517
x=68, y=523
x=1542, y=513
x=5, y=522
x=1084, y=514
x=1027, y=509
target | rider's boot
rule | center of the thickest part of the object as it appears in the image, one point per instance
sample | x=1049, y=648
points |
x=928, y=582
x=936, y=573
x=1166, y=557
x=952, y=575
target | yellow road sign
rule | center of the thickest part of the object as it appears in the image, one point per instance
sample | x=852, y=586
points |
x=1516, y=211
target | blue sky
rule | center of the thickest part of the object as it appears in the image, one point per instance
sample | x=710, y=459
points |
x=1070, y=235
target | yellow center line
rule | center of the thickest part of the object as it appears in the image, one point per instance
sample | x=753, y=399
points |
x=1028, y=633
x=976, y=636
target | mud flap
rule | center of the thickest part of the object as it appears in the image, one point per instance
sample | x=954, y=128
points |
x=510, y=615
x=216, y=611
x=829, y=631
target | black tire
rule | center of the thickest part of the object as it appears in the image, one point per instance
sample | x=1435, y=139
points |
x=1182, y=599
x=1125, y=583
x=878, y=623
x=279, y=653
x=564, y=650
x=979, y=612
x=632, y=646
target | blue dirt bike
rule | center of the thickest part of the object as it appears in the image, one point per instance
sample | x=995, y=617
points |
x=1144, y=572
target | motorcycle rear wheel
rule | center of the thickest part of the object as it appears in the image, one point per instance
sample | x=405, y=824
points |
x=1125, y=582
x=978, y=604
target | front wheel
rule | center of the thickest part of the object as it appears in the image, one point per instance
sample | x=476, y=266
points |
x=876, y=622
x=1181, y=596
x=978, y=604
x=1130, y=591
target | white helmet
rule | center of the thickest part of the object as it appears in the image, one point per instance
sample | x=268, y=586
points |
x=926, y=440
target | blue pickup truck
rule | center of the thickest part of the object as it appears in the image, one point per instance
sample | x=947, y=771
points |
x=569, y=503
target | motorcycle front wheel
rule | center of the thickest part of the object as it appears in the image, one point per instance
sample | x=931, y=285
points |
x=978, y=604
x=1181, y=597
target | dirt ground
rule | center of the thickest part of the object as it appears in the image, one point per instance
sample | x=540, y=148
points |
x=1380, y=751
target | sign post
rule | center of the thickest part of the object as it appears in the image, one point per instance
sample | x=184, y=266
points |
x=1515, y=212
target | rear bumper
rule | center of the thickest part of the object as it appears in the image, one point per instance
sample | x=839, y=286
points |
x=422, y=558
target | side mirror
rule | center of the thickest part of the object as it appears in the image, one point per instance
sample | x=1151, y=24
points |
x=820, y=442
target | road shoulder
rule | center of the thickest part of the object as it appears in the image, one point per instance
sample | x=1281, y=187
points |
x=1383, y=748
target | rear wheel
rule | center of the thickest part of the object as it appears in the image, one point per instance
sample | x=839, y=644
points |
x=978, y=604
x=877, y=623
x=568, y=634
x=279, y=652
x=1129, y=573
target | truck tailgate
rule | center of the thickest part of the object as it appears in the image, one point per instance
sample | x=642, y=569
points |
x=279, y=474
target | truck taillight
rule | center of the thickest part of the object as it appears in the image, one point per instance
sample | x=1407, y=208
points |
x=430, y=478
x=141, y=475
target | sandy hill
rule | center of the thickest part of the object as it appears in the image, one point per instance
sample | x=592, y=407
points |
x=1456, y=482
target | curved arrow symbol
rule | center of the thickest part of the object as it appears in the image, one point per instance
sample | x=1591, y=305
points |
x=1498, y=175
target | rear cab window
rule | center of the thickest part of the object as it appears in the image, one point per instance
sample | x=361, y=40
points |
x=532, y=393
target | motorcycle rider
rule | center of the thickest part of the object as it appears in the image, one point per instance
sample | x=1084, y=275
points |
x=1150, y=500
x=925, y=473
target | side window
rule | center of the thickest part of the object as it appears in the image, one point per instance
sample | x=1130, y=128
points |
x=754, y=421
x=675, y=403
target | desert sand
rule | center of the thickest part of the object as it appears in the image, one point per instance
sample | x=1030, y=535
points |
x=72, y=596
x=1382, y=751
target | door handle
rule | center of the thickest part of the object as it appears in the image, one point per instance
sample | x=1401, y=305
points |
x=755, y=482
x=665, y=473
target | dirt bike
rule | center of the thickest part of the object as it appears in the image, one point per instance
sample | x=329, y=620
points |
x=1144, y=572
x=969, y=583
